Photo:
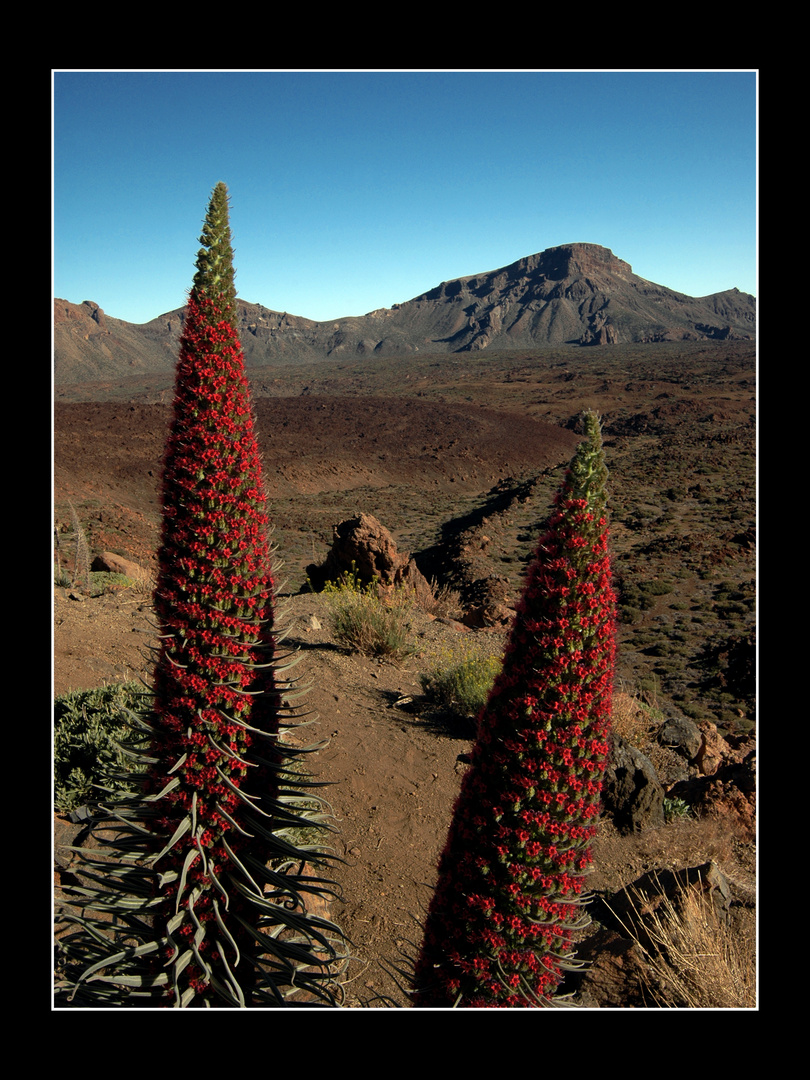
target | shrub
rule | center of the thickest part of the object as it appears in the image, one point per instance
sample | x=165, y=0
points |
x=61, y=577
x=676, y=808
x=89, y=726
x=657, y=587
x=631, y=616
x=368, y=621
x=509, y=894
x=463, y=683
x=444, y=602
x=103, y=582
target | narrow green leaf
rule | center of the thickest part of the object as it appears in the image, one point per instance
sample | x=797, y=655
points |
x=179, y=832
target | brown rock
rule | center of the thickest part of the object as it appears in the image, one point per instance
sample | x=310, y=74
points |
x=110, y=563
x=615, y=972
x=488, y=603
x=409, y=576
x=717, y=751
x=733, y=807
x=729, y=794
x=363, y=546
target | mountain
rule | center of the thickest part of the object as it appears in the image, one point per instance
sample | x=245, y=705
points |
x=580, y=294
x=91, y=345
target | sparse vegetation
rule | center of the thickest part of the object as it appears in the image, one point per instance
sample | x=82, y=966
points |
x=693, y=960
x=461, y=681
x=693, y=544
x=368, y=621
x=89, y=726
x=669, y=408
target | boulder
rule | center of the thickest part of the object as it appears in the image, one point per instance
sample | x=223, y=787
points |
x=488, y=603
x=631, y=790
x=110, y=563
x=718, y=751
x=614, y=972
x=727, y=795
x=681, y=734
x=363, y=546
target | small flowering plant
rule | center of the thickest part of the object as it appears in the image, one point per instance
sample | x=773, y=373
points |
x=209, y=889
x=509, y=897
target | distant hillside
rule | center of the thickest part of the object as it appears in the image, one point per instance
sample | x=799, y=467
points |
x=578, y=293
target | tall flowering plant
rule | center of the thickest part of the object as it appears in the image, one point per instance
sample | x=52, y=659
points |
x=509, y=898
x=210, y=886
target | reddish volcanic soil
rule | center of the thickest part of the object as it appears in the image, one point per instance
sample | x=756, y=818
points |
x=414, y=462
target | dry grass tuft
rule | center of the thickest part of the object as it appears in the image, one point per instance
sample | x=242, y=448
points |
x=143, y=582
x=637, y=718
x=694, y=960
x=444, y=602
x=630, y=719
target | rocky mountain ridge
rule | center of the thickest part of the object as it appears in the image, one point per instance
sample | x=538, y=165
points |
x=578, y=294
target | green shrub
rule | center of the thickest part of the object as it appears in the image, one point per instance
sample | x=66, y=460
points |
x=676, y=808
x=61, y=578
x=630, y=616
x=88, y=725
x=695, y=711
x=462, y=684
x=367, y=622
x=634, y=599
x=727, y=610
x=103, y=581
x=657, y=587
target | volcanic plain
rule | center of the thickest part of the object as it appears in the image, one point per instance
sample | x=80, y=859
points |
x=459, y=458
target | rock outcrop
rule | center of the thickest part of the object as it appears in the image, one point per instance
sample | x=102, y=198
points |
x=725, y=785
x=364, y=547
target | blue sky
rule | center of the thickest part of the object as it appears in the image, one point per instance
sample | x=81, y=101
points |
x=355, y=190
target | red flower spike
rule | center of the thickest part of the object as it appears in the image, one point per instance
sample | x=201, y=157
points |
x=524, y=806
x=213, y=781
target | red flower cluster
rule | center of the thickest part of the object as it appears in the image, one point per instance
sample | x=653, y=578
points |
x=510, y=884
